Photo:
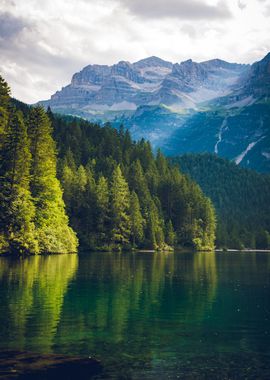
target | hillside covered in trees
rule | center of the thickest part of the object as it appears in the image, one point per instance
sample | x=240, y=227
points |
x=32, y=210
x=117, y=193
x=240, y=196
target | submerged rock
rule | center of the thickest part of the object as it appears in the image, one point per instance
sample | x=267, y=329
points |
x=27, y=365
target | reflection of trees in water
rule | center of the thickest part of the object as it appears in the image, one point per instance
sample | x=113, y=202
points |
x=136, y=299
x=130, y=303
x=200, y=286
x=33, y=294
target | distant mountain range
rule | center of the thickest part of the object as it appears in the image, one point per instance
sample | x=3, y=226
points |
x=212, y=106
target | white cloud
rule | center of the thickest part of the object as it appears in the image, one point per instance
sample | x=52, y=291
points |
x=43, y=43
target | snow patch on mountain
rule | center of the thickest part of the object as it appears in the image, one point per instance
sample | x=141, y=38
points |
x=241, y=156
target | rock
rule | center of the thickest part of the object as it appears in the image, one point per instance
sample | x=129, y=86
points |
x=27, y=365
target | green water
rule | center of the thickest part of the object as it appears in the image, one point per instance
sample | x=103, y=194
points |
x=144, y=315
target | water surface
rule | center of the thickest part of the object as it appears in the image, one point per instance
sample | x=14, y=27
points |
x=144, y=315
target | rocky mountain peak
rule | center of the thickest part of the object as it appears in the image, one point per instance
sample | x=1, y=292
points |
x=152, y=81
x=257, y=79
x=152, y=62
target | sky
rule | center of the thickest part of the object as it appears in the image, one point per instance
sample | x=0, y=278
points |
x=43, y=43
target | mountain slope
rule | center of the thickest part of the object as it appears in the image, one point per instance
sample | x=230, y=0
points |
x=240, y=196
x=240, y=134
x=212, y=106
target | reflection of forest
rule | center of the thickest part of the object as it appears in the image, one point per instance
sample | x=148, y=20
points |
x=32, y=295
x=125, y=302
x=136, y=299
x=137, y=310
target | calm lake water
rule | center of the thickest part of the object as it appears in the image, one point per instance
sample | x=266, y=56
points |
x=144, y=315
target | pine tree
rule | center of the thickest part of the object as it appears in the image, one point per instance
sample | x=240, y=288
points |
x=4, y=93
x=137, y=221
x=51, y=221
x=102, y=209
x=170, y=234
x=138, y=184
x=4, y=102
x=120, y=206
x=154, y=231
x=17, y=230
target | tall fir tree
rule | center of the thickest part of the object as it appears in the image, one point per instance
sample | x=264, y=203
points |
x=170, y=234
x=4, y=103
x=137, y=221
x=51, y=221
x=102, y=210
x=120, y=208
x=17, y=211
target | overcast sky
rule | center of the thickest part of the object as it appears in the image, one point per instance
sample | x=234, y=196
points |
x=42, y=43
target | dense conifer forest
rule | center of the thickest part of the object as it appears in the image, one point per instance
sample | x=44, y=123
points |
x=32, y=211
x=117, y=193
x=240, y=196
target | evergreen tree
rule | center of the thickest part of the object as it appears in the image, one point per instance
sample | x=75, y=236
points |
x=102, y=209
x=17, y=230
x=120, y=206
x=137, y=221
x=138, y=184
x=4, y=102
x=154, y=231
x=51, y=221
x=170, y=234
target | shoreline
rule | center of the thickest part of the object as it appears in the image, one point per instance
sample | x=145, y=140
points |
x=242, y=250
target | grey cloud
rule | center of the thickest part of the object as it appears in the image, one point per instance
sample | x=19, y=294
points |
x=241, y=4
x=181, y=9
x=10, y=26
x=189, y=30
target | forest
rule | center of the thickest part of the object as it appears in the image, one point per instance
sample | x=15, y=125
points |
x=240, y=197
x=32, y=211
x=61, y=174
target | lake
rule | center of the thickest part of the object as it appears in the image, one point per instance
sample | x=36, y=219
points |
x=144, y=315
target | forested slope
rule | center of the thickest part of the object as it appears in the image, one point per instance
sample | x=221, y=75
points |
x=116, y=193
x=241, y=198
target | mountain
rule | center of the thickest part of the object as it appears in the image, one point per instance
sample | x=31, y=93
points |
x=151, y=81
x=257, y=81
x=240, y=197
x=212, y=106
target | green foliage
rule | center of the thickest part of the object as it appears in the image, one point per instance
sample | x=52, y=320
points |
x=240, y=196
x=119, y=206
x=131, y=197
x=51, y=221
x=17, y=210
x=4, y=102
x=32, y=213
x=137, y=221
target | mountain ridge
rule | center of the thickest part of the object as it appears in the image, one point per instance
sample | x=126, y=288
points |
x=211, y=106
x=151, y=80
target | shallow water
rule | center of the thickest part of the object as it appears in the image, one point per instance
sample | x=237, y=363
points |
x=144, y=315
